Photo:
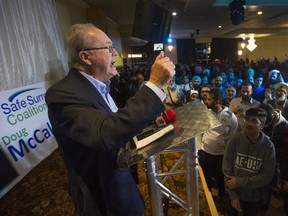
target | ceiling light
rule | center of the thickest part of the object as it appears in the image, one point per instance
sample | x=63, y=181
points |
x=251, y=46
x=170, y=48
x=243, y=36
x=174, y=13
x=169, y=39
x=251, y=43
x=219, y=26
x=259, y=12
x=134, y=55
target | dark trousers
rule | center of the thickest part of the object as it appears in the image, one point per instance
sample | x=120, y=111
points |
x=248, y=208
x=212, y=168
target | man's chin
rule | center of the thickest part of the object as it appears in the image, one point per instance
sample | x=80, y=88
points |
x=245, y=98
x=114, y=72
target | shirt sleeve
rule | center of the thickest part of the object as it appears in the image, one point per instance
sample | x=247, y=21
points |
x=157, y=90
x=228, y=164
x=233, y=124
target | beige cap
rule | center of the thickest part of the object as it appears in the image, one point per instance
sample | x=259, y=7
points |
x=193, y=92
x=283, y=86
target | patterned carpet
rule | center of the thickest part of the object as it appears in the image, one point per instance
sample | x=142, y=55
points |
x=43, y=192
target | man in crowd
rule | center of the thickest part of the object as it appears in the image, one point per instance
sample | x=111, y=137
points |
x=259, y=90
x=174, y=95
x=237, y=86
x=219, y=84
x=231, y=80
x=248, y=165
x=280, y=100
x=89, y=128
x=203, y=93
x=214, y=141
x=240, y=104
x=276, y=127
x=230, y=95
x=185, y=89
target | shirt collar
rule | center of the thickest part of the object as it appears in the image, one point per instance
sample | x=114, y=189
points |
x=250, y=101
x=103, y=88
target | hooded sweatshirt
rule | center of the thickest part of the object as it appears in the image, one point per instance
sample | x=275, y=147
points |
x=252, y=164
x=278, y=133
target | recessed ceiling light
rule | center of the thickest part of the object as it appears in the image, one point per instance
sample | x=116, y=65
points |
x=259, y=12
x=174, y=13
x=219, y=26
x=243, y=36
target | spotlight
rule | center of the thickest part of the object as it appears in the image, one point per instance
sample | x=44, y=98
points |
x=237, y=11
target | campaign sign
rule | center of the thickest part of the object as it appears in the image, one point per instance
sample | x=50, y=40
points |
x=26, y=136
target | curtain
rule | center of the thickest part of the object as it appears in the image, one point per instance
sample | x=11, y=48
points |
x=225, y=48
x=31, y=47
x=186, y=51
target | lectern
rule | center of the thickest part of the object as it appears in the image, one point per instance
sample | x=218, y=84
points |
x=191, y=119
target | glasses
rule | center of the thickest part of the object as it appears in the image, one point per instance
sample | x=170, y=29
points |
x=252, y=121
x=110, y=48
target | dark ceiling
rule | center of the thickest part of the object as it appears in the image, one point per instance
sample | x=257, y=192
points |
x=201, y=18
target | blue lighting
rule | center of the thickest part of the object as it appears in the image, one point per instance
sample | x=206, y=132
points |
x=169, y=39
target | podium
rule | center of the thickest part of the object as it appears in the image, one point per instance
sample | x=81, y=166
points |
x=191, y=120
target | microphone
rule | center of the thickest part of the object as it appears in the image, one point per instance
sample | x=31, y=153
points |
x=169, y=115
x=150, y=134
x=166, y=117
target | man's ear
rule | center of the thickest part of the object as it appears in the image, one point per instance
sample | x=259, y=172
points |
x=84, y=56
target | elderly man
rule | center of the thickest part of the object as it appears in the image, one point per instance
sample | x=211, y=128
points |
x=89, y=128
x=174, y=95
x=240, y=104
x=280, y=100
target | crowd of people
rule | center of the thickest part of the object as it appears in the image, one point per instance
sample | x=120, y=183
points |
x=250, y=100
x=95, y=113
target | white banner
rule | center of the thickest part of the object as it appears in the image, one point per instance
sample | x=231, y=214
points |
x=25, y=135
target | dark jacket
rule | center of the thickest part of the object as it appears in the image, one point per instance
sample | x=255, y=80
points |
x=89, y=136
